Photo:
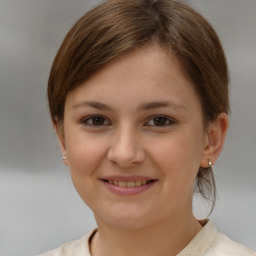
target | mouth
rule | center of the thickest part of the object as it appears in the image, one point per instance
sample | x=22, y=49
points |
x=129, y=184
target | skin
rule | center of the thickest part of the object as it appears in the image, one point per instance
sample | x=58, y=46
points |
x=128, y=140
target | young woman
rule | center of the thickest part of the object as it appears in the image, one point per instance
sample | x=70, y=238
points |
x=138, y=95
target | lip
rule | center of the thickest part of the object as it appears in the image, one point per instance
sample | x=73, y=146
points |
x=127, y=178
x=128, y=191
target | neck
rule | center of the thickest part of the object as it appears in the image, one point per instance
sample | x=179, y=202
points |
x=166, y=238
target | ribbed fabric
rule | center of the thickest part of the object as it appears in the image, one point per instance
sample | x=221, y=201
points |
x=208, y=242
x=78, y=247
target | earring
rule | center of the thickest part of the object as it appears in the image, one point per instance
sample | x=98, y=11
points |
x=64, y=156
x=209, y=163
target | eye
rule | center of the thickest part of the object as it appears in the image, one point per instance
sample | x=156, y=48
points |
x=160, y=121
x=95, y=121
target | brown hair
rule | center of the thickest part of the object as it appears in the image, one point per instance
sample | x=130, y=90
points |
x=117, y=26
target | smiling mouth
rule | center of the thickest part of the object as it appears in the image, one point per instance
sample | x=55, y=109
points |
x=130, y=184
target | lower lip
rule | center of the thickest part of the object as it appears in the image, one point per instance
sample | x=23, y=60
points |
x=128, y=191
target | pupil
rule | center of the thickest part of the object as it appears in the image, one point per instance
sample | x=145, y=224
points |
x=160, y=121
x=98, y=121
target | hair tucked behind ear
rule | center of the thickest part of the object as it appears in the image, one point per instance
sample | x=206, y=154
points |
x=206, y=186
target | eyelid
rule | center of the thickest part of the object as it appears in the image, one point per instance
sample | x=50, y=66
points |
x=84, y=120
x=171, y=120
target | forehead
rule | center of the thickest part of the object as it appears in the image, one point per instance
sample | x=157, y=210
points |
x=148, y=73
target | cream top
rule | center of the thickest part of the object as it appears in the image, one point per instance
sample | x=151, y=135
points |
x=208, y=242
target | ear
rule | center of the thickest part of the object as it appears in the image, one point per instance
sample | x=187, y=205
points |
x=215, y=137
x=59, y=130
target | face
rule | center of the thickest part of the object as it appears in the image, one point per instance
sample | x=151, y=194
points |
x=134, y=139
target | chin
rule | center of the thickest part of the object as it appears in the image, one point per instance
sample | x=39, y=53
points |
x=123, y=218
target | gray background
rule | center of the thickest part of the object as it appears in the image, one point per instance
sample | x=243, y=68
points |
x=39, y=208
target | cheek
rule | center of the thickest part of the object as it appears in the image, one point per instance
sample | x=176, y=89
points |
x=180, y=148
x=178, y=157
x=84, y=153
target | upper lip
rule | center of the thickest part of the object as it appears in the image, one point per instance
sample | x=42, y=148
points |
x=127, y=178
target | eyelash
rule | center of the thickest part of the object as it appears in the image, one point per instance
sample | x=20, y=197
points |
x=164, y=118
x=85, y=120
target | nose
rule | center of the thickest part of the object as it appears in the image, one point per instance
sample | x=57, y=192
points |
x=125, y=150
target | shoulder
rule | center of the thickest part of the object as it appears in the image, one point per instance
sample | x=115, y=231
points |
x=73, y=248
x=225, y=246
x=210, y=242
x=65, y=249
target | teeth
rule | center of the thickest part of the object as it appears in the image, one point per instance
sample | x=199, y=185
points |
x=129, y=184
x=138, y=183
x=122, y=184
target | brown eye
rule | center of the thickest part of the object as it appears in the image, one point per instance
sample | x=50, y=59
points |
x=95, y=121
x=160, y=121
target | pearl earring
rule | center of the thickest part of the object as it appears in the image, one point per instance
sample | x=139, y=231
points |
x=64, y=156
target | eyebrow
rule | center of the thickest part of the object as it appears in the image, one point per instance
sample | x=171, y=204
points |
x=160, y=104
x=142, y=107
x=92, y=104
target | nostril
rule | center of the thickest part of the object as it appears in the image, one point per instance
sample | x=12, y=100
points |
x=124, y=158
x=125, y=150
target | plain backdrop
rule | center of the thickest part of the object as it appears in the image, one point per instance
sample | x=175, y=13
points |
x=39, y=208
